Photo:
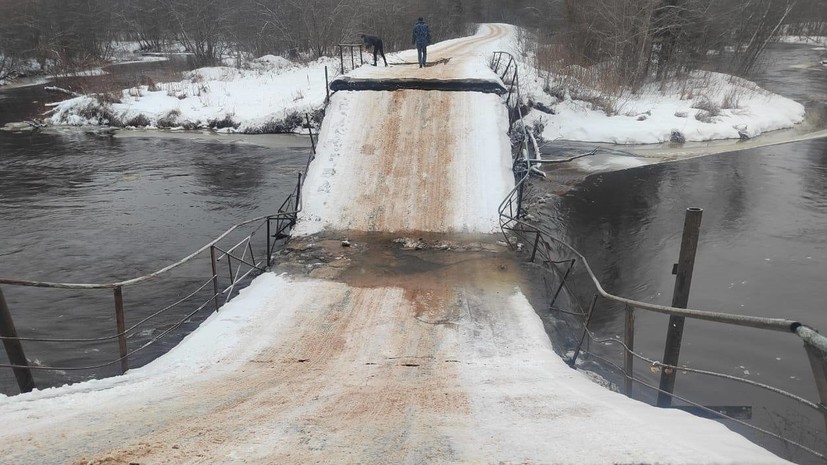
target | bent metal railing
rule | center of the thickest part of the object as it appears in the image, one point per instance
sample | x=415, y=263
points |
x=559, y=259
x=241, y=263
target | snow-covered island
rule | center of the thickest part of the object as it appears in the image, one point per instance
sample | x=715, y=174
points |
x=271, y=94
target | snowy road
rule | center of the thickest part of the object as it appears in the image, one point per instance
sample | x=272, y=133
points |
x=384, y=352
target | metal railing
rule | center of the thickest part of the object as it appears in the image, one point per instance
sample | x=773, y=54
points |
x=510, y=76
x=559, y=260
x=355, y=51
x=238, y=255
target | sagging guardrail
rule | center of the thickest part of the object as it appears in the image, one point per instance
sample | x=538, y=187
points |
x=559, y=260
x=241, y=263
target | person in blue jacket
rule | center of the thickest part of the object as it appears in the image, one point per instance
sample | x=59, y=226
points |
x=422, y=38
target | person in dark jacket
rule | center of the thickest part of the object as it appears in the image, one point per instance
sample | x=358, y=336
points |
x=375, y=43
x=421, y=38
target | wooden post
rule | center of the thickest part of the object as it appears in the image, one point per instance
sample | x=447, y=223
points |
x=680, y=299
x=818, y=362
x=342, y=59
x=629, y=341
x=14, y=349
x=119, y=317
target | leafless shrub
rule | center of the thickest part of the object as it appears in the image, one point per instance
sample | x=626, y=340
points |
x=706, y=106
x=226, y=122
x=138, y=121
x=169, y=120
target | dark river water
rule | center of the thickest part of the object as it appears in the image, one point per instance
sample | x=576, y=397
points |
x=762, y=251
x=88, y=208
x=93, y=208
x=81, y=208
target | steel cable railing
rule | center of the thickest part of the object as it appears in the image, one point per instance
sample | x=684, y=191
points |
x=553, y=252
x=241, y=261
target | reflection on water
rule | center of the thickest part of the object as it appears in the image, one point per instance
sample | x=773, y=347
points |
x=762, y=251
x=81, y=208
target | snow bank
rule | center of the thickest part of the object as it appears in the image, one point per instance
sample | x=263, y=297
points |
x=820, y=41
x=704, y=106
x=271, y=96
x=524, y=396
x=519, y=396
x=224, y=339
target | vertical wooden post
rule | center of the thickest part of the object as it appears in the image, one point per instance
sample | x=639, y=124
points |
x=342, y=59
x=119, y=317
x=816, y=347
x=680, y=298
x=14, y=349
x=629, y=341
x=215, y=271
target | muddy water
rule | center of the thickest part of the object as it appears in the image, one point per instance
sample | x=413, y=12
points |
x=763, y=251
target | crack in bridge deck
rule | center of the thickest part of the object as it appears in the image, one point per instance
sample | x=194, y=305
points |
x=392, y=84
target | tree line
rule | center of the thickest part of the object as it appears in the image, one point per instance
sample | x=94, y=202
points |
x=636, y=38
x=641, y=38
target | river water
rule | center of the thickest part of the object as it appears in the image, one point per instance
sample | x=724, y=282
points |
x=762, y=251
x=96, y=209
x=80, y=207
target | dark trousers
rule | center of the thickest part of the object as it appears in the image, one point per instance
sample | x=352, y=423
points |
x=422, y=54
x=379, y=50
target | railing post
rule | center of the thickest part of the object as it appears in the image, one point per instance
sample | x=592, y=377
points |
x=215, y=270
x=573, y=360
x=269, y=251
x=14, y=348
x=816, y=347
x=326, y=87
x=536, y=242
x=310, y=131
x=680, y=298
x=119, y=317
x=352, y=59
x=562, y=283
x=342, y=59
x=818, y=362
x=629, y=341
x=298, y=198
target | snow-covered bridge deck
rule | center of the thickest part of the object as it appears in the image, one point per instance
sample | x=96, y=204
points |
x=382, y=352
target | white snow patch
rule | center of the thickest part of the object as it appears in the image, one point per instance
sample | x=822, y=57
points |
x=250, y=98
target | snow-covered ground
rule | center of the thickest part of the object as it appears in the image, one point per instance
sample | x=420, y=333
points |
x=236, y=100
x=302, y=370
x=819, y=41
x=705, y=106
x=435, y=358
